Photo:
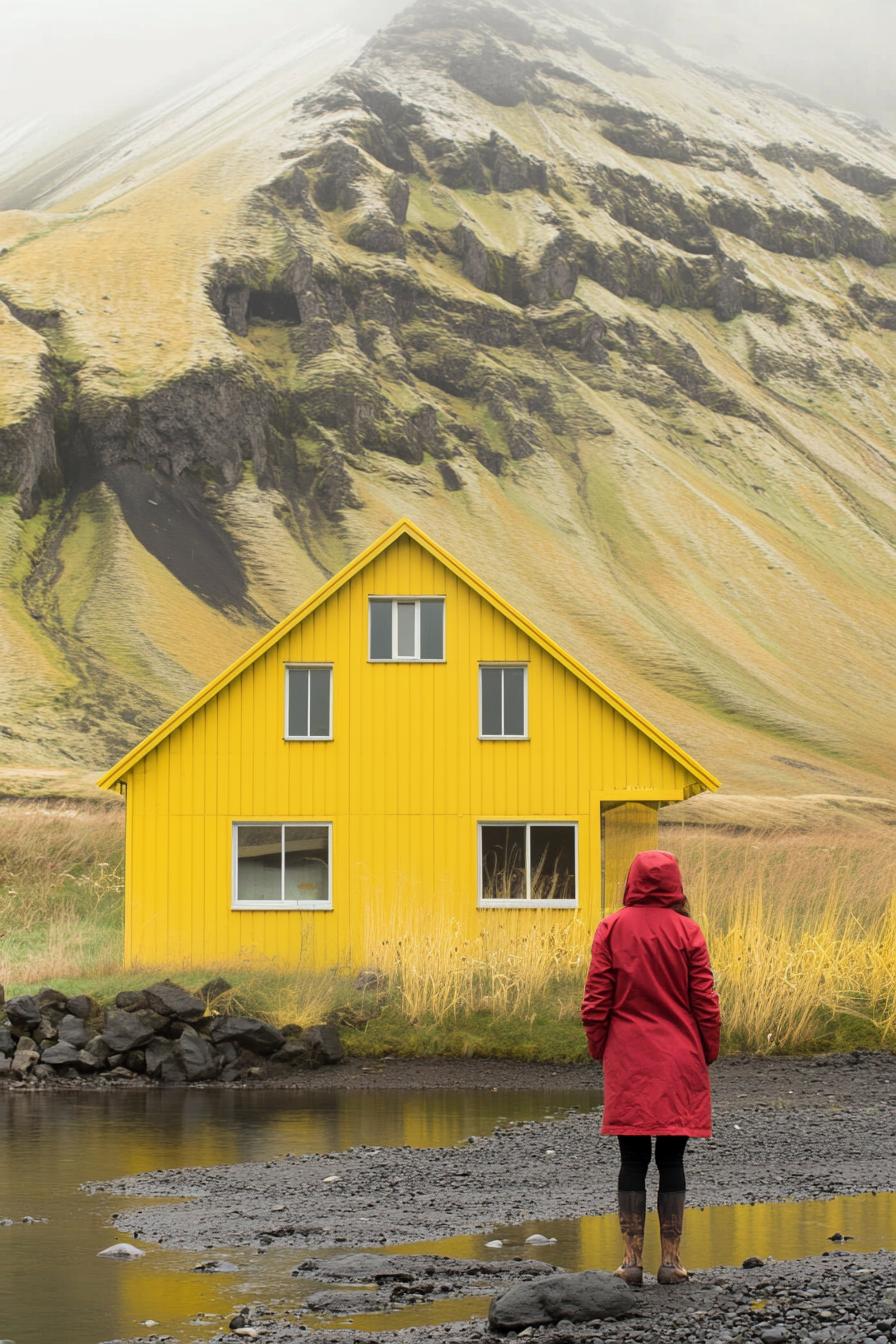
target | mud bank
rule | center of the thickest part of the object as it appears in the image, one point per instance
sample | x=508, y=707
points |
x=784, y=1130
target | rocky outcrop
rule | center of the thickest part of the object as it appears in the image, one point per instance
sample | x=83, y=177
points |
x=162, y=1034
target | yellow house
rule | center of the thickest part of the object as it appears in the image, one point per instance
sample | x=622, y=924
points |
x=404, y=741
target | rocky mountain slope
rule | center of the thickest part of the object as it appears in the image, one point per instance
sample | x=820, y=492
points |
x=616, y=329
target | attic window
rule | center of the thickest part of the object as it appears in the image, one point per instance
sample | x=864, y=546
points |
x=528, y=864
x=503, y=707
x=282, y=866
x=309, y=702
x=407, y=629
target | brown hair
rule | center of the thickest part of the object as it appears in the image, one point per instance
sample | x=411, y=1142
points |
x=682, y=906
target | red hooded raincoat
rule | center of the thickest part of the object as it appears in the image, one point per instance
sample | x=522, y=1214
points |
x=650, y=1011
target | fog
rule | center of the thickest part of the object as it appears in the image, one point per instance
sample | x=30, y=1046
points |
x=67, y=64
x=840, y=54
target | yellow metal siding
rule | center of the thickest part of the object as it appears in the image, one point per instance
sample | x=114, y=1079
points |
x=403, y=782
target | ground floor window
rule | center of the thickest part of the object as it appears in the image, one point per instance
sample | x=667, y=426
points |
x=528, y=863
x=282, y=865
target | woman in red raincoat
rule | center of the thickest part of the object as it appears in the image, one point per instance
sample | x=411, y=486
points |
x=651, y=1015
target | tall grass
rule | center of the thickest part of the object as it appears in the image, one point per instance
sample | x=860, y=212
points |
x=801, y=929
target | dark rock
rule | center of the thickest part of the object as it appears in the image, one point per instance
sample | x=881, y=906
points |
x=135, y=1060
x=23, y=1011
x=366, y=1267
x=45, y=1031
x=52, y=998
x=196, y=1056
x=82, y=1006
x=119, y=1074
x=171, y=1070
x=335, y=1303
x=130, y=1000
x=5, y=1065
x=25, y=1057
x=74, y=1030
x=249, y=1032
x=129, y=1030
x=215, y=989
x=216, y=1267
x=295, y=1053
x=89, y=1062
x=62, y=1054
x=589, y=1296
x=753, y=1262
x=98, y=1049
x=156, y=1052
x=7, y=1041
x=324, y=1044
x=172, y=1001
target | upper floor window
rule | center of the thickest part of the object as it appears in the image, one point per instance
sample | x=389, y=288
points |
x=309, y=702
x=407, y=629
x=503, y=700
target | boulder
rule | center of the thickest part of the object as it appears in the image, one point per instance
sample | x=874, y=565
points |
x=7, y=1041
x=196, y=1056
x=45, y=1030
x=88, y=1062
x=82, y=1006
x=25, y=1057
x=74, y=1030
x=214, y=989
x=5, y=1065
x=98, y=1049
x=52, y=998
x=23, y=1011
x=172, y=1001
x=125, y=1031
x=590, y=1296
x=296, y=1053
x=158, y=1049
x=171, y=1070
x=135, y=1060
x=367, y=1267
x=249, y=1032
x=60, y=1055
x=129, y=1000
x=325, y=1045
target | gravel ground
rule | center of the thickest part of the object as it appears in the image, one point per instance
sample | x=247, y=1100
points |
x=833, y=1299
x=786, y=1129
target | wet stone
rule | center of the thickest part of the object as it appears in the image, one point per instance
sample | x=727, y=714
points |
x=589, y=1296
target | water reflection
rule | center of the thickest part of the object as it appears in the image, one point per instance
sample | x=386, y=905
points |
x=52, y=1143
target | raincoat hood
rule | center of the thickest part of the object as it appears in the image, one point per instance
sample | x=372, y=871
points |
x=653, y=879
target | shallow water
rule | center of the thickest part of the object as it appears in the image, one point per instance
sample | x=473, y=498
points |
x=52, y=1286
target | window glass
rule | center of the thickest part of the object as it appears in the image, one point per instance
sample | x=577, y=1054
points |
x=432, y=639
x=503, y=863
x=306, y=852
x=258, y=864
x=297, y=702
x=514, y=701
x=380, y=629
x=319, y=697
x=490, y=690
x=406, y=616
x=552, y=852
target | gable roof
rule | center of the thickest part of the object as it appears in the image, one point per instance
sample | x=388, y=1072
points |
x=404, y=527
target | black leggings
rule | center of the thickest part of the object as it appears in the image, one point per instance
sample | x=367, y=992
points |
x=634, y=1153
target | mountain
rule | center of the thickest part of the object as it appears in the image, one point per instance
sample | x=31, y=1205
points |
x=616, y=328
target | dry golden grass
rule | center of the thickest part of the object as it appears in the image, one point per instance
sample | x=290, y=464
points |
x=801, y=928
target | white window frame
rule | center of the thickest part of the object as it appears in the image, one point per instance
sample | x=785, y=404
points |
x=236, y=904
x=527, y=903
x=506, y=737
x=405, y=597
x=298, y=667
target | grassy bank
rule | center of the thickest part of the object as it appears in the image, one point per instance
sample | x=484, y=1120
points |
x=801, y=926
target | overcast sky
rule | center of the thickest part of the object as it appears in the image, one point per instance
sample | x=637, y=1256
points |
x=65, y=64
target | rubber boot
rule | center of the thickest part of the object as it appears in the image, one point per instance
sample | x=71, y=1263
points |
x=632, y=1212
x=670, y=1208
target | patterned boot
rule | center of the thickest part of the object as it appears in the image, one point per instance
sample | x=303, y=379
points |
x=670, y=1208
x=632, y=1212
